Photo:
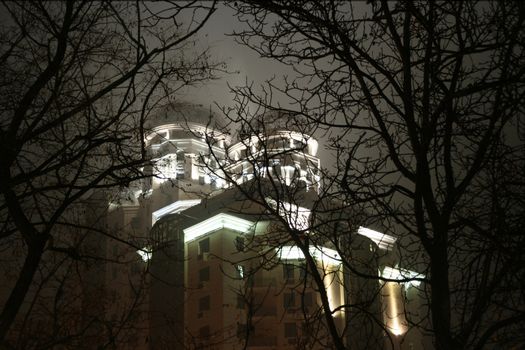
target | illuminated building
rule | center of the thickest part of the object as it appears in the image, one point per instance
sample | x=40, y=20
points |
x=222, y=272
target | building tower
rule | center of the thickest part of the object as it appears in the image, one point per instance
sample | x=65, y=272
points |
x=219, y=227
x=184, y=145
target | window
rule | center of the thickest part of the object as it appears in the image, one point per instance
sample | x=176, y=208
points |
x=308, y=300
x=289, y=300
x=242, y=330
x=240, y=301
x=181, y=171
x=136, y=269
x=204, y=274
x=204, y=246
x=288, y=273
x=239, y=243
x=290, y=330
x=204, y=303
x=204, y=332
x=302, y=272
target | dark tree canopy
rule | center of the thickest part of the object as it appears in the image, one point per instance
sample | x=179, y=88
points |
x=423, y=102
x=78, y=79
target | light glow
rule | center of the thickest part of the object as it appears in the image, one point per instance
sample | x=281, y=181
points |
x=297, y=217
x=382, y=240
x=332, y=280
x=394, y=313
x=326, y=255
x=173, y=208
x=330, y=264
x=402, y=275
x=215, y=223
x=145, y=253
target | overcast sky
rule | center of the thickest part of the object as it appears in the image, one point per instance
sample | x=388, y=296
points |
x=248, y=65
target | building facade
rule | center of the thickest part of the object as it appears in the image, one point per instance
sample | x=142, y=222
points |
x=237, y=248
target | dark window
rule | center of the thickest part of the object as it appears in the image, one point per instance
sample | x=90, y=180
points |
x=288, y=274
x=204, y=303
x=204, y=246
x=302, y=272
x=242, y=330
x=289, y=300
x=308, y=300
x=240, y=301
x=136, y=269
x=239, y=243
x=204, y=332
x=290, y=330
x=204, y=274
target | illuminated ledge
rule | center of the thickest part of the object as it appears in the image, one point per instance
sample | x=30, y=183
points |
x=400, y=274
x=297, y=217
x=145, y=253
x=214, y=223
x=326, y=255
x=173, y=208
x=383, y=241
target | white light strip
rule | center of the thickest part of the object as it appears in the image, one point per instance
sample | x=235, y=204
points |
x=217, y=222
x=289, y=253
x=297, y=217
x=326, y=255
x=382, y=240
x=173, y=208
x=400, y=274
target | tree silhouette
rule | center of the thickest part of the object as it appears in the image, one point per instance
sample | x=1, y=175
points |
x=78, y=80
x=422, y=105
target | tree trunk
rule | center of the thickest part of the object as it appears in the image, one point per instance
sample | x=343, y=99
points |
x=34, y=254
x=440, y=299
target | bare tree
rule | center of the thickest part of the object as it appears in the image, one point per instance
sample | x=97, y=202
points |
x=423, y=105
x=78, y=80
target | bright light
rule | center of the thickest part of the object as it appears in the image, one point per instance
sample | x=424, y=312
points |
x=326, y=255
x=289, y=253
x=217, y=222
x=297, y=217
x=145, y=253
x=401, y=275
x=330, y=264
x=394, y=313
x=332, y=280
x=382, y=240
x=173, y=208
